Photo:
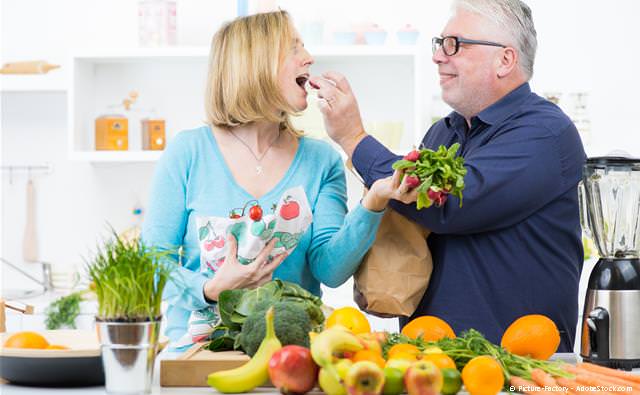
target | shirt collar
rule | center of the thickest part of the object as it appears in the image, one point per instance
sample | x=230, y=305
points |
x=498, y=110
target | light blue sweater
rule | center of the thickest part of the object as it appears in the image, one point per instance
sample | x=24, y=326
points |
x=192, y=180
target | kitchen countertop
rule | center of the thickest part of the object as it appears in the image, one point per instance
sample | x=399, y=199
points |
x=9, y=389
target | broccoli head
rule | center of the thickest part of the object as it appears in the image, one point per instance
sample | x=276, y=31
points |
x=291, y=321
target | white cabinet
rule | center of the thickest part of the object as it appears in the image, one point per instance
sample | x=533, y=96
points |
x=388, y=83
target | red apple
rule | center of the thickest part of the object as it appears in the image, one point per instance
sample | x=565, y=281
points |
x=423, y=378
x=292, y=370
x=290, y=210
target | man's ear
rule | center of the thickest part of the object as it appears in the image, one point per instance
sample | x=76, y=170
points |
x=507, y=62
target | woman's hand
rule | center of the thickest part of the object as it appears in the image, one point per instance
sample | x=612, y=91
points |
x=234, y=275
x=388, y=188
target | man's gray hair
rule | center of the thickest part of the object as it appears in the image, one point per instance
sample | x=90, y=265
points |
x=515, y=17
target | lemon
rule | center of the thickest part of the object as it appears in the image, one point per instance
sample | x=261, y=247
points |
x=452, y=382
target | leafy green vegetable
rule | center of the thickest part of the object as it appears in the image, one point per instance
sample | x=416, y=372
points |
x=236, y=305
x=291, y=321
x=472, y=344
x=439, y=173
x=63, y=311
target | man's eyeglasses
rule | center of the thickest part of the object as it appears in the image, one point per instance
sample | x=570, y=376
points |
x=451, y=44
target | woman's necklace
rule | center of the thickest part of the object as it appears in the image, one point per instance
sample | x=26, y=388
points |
x=258, y=159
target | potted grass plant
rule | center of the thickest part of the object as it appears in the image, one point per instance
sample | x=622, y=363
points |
x=129, y=279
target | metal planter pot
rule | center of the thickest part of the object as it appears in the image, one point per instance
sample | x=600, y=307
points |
x=128, y=355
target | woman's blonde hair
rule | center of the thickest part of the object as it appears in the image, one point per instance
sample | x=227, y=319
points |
x=242, y=85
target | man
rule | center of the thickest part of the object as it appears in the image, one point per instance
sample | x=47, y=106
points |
x=514, y=247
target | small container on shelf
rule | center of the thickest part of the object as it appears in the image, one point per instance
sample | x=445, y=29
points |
x=375, y=35
x=407, y=35
x=112, y=133
x=153, y=134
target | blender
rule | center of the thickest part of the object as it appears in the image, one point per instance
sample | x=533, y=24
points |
x=610, y=213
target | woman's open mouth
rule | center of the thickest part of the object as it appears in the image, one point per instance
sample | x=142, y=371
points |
x=301, y=80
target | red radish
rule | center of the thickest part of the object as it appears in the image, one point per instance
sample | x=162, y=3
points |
x=255, y=213
x=433, y=195
x=290, y=210
x=412, y=181
x=412, y=156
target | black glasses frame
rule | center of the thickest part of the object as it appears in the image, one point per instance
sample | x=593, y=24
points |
x=437, y=42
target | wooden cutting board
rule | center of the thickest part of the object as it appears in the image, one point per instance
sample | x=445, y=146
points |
x=192, y=367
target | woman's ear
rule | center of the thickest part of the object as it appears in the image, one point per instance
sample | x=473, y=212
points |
x=507, y=62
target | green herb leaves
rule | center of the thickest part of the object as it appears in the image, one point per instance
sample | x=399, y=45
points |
x=62, y=312
x=439, y=174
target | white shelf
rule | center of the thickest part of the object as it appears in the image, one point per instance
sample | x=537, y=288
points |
x=171, y=80
x=116, y=156
x=54, y=81
x=132, y=54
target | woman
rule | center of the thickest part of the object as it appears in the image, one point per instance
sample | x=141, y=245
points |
x=249, y=150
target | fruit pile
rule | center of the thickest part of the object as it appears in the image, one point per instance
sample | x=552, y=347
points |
x=427, y=357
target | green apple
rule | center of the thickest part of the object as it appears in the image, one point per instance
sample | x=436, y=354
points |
x=393, y=381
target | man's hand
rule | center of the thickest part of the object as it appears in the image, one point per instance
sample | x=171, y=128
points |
x=340, y=110
x=388, y=188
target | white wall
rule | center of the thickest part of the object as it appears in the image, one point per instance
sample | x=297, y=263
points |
x=583, y=46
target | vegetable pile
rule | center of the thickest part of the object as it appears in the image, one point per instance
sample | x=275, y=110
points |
x=240, y=306
x=472, y=344
x=435, y=174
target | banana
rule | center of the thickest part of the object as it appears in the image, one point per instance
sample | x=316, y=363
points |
x=330, y=341
x=253, y=373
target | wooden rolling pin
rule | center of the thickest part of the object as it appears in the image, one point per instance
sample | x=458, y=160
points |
x=30, y=67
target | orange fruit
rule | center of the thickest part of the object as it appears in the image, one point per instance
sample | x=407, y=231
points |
x=56, y=347
x=369, y=355
x=431, y=328
x=483, y=376
x=349, y=317
x=440, y=360
x=26, y=340
x=403, y=348
x=534, y=335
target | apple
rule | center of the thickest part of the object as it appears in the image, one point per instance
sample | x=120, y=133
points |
x=292, y=370
x=364, y=378
x=423, y=378
x=393, y=381
x=329, y=384
x=400, y=364
x=290, y=210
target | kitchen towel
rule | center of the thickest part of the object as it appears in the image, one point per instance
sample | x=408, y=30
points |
x=30, y=240
x=287, y=223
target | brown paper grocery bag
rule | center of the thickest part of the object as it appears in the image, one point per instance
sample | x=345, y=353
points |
x=394, y=274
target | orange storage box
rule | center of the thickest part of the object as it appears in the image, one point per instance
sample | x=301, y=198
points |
x=112, y=133
x=153, y=134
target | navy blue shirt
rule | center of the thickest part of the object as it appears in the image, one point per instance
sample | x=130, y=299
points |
x=514, y=247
